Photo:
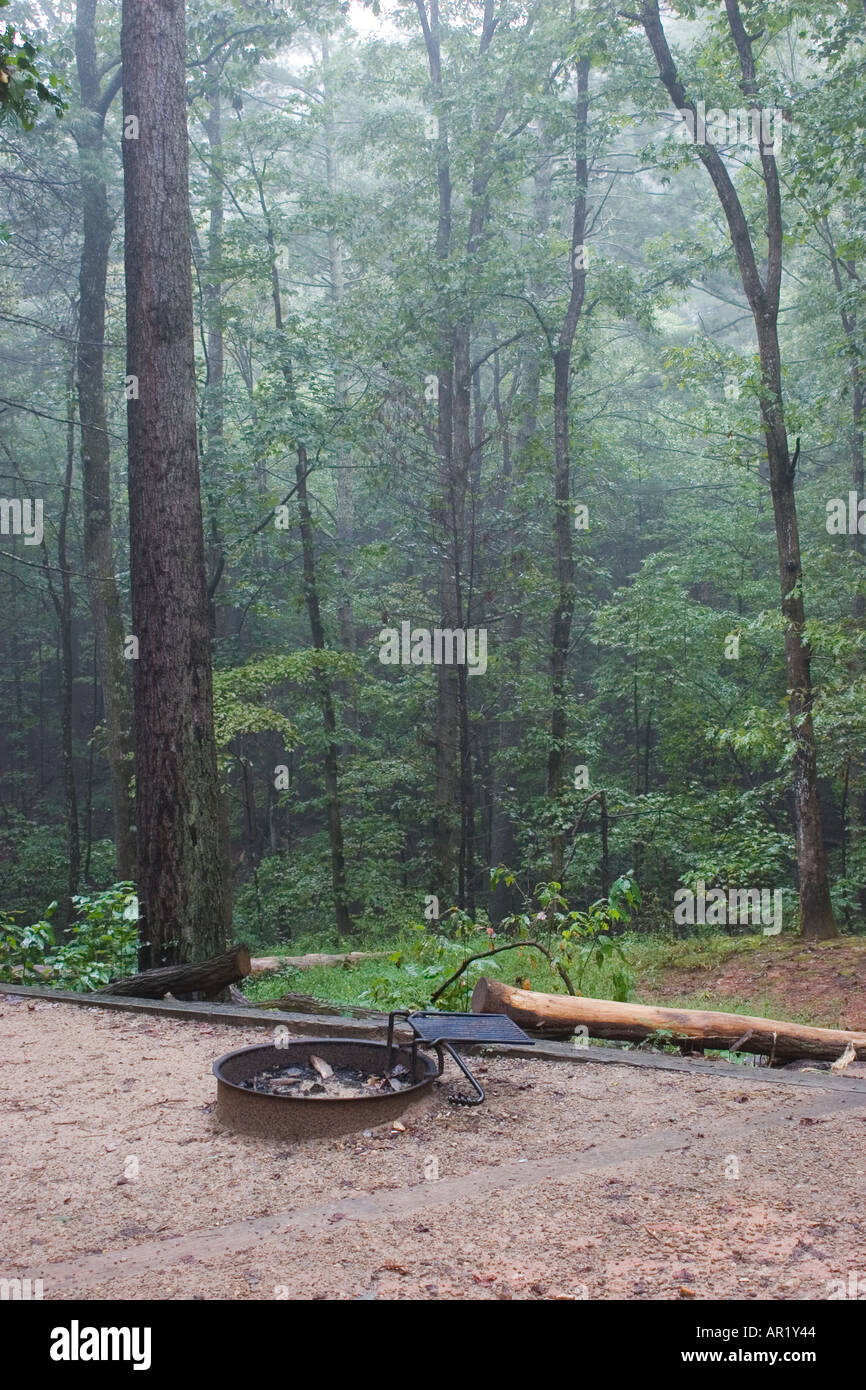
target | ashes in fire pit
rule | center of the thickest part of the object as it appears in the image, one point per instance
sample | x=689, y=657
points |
x=319, y=1080
x=263, y=1089
x=356, y=1085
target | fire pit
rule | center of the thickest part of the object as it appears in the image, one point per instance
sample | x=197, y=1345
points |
x=321, y=1087
x=247, y=1102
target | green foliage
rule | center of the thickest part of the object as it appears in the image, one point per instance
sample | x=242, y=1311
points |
x=244, y=695
x=656, y=961
x=410, y=975
x=422, y=958
x=100, y=946
x=337, y=164
x=283, y=903
x=103, y=942
x=579, y=940
x=34, y=865
x=746, y=850
x=404, y=977
x=23, y=948
x=23, y=89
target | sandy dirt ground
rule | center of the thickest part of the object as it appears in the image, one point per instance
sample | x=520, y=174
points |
x=573, y=1181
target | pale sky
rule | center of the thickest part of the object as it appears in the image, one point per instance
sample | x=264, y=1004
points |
x=365, y=23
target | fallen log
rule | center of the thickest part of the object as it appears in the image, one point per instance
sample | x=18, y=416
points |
x=207, y=977
x=305, y=1004
x=560, y=1015
x=269, y=965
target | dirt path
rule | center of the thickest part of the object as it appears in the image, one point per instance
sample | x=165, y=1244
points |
x=571, y=1181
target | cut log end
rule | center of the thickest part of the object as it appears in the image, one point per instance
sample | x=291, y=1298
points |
x=207, y=977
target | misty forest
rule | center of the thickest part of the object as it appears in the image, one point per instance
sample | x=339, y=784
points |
x=433, y=508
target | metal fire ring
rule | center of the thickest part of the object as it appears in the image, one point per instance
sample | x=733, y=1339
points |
x=303, y=1117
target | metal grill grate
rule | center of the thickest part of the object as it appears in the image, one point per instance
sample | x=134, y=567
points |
x=436, y=1027
x=433, y=1029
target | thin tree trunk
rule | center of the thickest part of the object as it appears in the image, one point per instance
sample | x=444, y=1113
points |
x=858, y=540
x=213, y=291
x=63, y=606
x=446, y=510
x=461, y=459
x=504, y=900
x=342, y=913
x=453, y=796
x=108, y=625
x=345, y=471
x=331, y=774
x=185, y=902
x=222, y=617
x=503, y=735
x=858, y=402
x=88, y=803
x=214, y=395
x=563, y=616
x=816, y=912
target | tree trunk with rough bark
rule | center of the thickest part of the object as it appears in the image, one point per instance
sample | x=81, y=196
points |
x=183, y=898
x=453, y=834
x=207, y=977
x=345, y=485
x=447, y=511
x=848, y=318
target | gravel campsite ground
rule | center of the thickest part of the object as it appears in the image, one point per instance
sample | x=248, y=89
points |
x=574, y=1180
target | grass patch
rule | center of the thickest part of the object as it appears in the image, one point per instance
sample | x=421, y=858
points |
x=416, y=965
x=419, y=962
x=654, y=957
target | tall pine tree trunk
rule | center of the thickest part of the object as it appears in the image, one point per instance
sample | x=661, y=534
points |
x=184, y=900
